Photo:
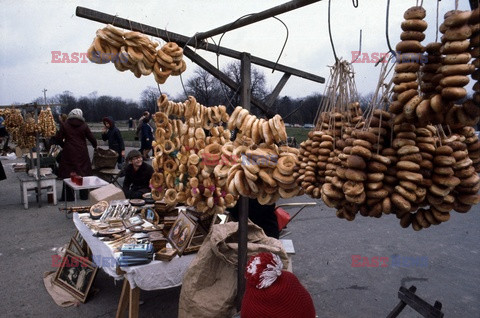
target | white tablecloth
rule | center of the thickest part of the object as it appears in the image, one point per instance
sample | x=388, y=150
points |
x=152, y=276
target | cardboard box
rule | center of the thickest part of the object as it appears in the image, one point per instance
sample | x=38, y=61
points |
x=106, y=193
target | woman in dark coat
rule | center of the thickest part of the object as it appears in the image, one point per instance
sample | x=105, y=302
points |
x=115, y=139
x=75, y=158
x=147, y=138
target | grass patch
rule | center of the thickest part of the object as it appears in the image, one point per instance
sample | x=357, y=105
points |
x=299, y=133
x=128, y=135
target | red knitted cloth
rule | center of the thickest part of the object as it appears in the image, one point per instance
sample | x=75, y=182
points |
x=284, y=298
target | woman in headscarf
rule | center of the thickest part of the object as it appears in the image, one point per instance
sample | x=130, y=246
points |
x=75, y=157
x=115, y=139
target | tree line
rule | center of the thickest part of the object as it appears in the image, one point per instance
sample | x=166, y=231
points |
x=203, y=86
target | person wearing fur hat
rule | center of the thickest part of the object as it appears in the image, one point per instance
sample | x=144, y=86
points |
x=137, y=176
x=271, y=292
x=115, y=139
x=74, y=133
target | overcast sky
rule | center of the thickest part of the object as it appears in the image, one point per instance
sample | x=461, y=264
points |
x=31, y=30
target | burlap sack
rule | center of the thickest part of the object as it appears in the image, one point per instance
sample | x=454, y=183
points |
x=209, y=286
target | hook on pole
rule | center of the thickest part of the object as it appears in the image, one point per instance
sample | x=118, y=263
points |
x=330, y=33
x=355, y=3
x=386, y=31
x=359, y=47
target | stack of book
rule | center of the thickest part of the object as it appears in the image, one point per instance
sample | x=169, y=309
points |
x=136, y=254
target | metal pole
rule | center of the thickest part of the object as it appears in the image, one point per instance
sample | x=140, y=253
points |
x=289, y=6
x=243, y=202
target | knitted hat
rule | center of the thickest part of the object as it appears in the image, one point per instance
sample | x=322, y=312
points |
x=76, y=113
x=272, y=292
x=132, y=154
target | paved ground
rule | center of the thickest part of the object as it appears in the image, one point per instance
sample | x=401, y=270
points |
x=324, y=247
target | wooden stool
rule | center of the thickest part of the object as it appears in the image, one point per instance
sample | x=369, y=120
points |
x=110, y=175
x=28, y=183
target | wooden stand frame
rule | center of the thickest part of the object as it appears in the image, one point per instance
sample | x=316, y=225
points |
x=408, y=297
x=130, y=298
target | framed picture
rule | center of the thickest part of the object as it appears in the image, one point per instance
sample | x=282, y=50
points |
x=133, y=221
x=75, y=248
x=76, y=275
x=181, y=232
x=78, y=238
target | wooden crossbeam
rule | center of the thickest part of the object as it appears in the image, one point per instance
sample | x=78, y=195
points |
x=223, y=77
x=289, y=6
x=184, y=40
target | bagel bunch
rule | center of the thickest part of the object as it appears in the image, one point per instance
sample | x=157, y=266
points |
x=169, y=61
x=13, y=122
x=454, y=185
x=321, y=149
x=409, y=58
x=473, y=145
x=196, y=163
x=259, y=130
x=47, y=124
x=30, y=127
x=134, y=51
x=354, y=182
x=472, y=107
x=456, y=68
x=266, y=172
x=187, y=164
x=414, y=151
x=26, y=133
x=440, y=75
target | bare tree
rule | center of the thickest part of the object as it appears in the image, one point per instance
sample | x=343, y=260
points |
x=148, y=99
x=203, y=86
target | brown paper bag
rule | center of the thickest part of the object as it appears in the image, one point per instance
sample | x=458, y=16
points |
x=209, y=286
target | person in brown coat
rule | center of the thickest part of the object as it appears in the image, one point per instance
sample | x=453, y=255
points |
x=75, y=158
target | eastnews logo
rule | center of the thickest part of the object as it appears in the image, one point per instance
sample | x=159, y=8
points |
x=81, y=57
x=81, y=261
x=393, y=261
x=377, y=57
x=249, y=159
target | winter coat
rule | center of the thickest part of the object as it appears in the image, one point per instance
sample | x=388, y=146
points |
x=147, y=136
x=75, y=158
x=137, y=180
x=114, y=137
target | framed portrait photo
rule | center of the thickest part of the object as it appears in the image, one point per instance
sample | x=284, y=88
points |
x=76, y=275
x=75, y=248
x=181, y=232
x=81, y=243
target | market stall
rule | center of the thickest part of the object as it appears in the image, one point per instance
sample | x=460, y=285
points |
x=30, y=126
x=412, y=152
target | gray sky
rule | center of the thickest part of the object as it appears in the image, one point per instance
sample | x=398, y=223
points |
x=31, y=30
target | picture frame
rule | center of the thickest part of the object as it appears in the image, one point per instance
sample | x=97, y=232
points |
x=75, y=248
x=150, y=215
x=81, y=243
x=181, y=232
x=76, y=275
x=133, y=221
